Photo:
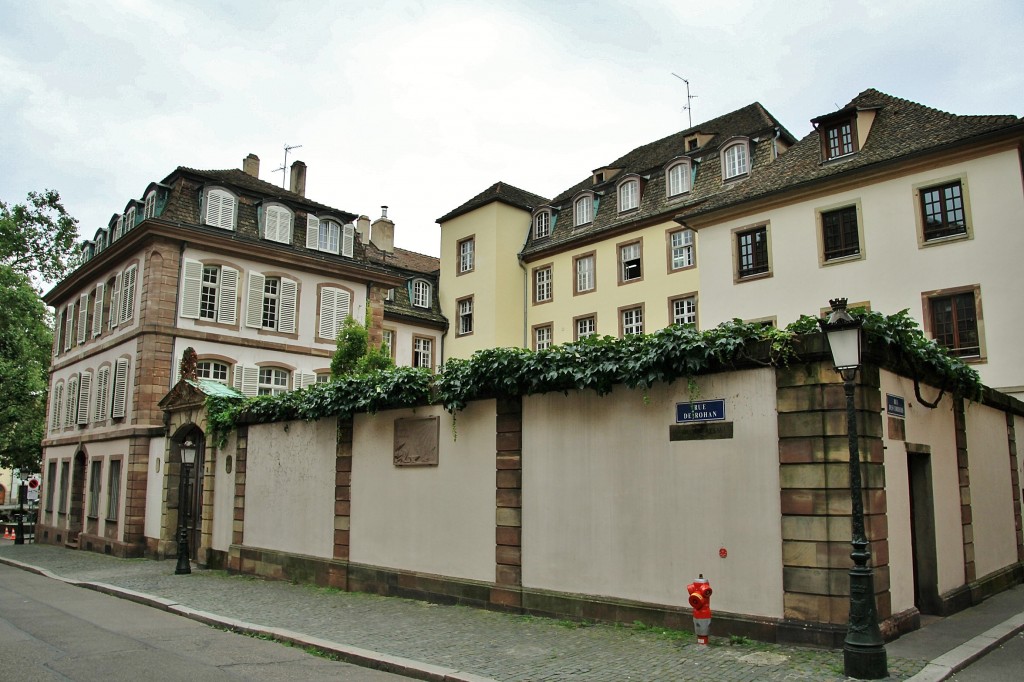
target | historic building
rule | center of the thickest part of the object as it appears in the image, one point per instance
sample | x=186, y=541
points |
x=890, y=203
x=255, y=278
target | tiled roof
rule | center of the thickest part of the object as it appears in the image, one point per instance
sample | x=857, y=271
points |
x=901, y=128
x=402, y=306
x=752, y=121
x=417, y=262
x=499, y=191
x=242, y=180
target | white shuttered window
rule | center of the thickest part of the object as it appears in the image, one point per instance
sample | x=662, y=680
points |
x=335, y=306
x=220, y=209
x=97, y=309
x=84, y=395
x=128, y=293
x=102, y=392
x=119, y=404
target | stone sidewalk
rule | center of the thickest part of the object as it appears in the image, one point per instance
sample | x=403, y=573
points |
x=448, y=643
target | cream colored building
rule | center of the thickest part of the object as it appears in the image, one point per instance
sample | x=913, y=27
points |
x=257, y=280
x=893, y=205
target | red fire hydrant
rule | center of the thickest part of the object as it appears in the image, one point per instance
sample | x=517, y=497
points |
x=700, y=600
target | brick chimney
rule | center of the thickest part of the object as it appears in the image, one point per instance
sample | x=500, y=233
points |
x=298, y=180
x=382, y=232
x=251, y=165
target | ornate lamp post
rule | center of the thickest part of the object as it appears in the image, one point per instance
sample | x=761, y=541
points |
x=188, y=458
x=863, y=650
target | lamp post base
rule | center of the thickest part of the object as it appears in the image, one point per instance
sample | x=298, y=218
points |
x=183, y=563
x=865, y=663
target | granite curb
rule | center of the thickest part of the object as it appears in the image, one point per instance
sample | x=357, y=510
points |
x=955, y=660
x=350, y=654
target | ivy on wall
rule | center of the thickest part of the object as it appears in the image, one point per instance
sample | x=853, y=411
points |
x=596, y=363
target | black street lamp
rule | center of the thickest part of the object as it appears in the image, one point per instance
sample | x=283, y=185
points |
x=863, y=650
x=188, y=458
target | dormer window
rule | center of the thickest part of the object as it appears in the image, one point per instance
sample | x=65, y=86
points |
x=150, y=206
x=735, y=160
x=839, y=140
x=678, y=178
x=629, y=195
x=276, y=223
x=583, y=210
x=220, y=208
x=542, y=224
x=421, y=293
x=691, y=144
x=129, y=219
x=327, y=234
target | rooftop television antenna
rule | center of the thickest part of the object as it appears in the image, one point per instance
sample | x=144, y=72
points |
x=689, y=100
x=283, y=170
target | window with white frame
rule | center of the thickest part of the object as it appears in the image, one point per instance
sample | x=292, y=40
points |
x=220, y=209
x=273, y=381
x=84, y=398
x=542, y=284
x=209, y=292
x=271, y=303
x=583, y=210
x=465, y=316
x=423, y=352
x=681, y=249
x=330, y=236
x=421, y=293
x=119, y=399
x=149, y=208
x=127, y=306
x=71, y=402
x=323, y=377
x=57, y=406
x=585, y=326
x=586, y=279
x=129, y=219
x=684, y=310
x=277, y=223
x=629, y=195
x=678, y=179
x=387, y=341
x=632, y=321
x=467, y=255
x=734, y=160
x=630, y=262
x=542, y=224
x=542, y=337
x=213, y=370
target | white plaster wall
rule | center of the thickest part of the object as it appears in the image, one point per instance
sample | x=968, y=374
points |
x=995, y=536
x=799, y=285
x=224, y=496
x=403, y=341
x=616, y=509
x=289, y=487
x=437, y=520
x=932, y=427
x=155, y=486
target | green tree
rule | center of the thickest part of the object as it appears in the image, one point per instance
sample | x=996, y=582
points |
x=25, y=342
x=354, y=355
x=38, y=238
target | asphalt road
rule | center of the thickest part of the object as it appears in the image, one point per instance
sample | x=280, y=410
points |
x=53, y=631
x=1004, y=664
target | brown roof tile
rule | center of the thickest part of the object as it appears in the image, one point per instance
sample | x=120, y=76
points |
x=499, y=191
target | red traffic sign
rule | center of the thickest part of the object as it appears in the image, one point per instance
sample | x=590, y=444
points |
x=33, y=483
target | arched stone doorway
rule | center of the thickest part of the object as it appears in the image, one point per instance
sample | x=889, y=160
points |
x=76, y=515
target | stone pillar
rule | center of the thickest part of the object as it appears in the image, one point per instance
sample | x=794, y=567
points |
x=238, y=520
x=1011, y=437
x=134, y=532
x=337, y=575
x=816, y=503
x=964, y=471
x=508, y=574
x=376, y=321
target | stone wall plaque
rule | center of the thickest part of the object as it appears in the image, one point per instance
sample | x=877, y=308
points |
x=700, y=431
x=416, y=441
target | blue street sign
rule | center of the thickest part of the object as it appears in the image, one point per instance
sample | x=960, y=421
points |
x=895, y=405
x=700, y=411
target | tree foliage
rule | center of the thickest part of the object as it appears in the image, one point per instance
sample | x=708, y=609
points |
x=354, y=354
x=38, y=238
x=25, y=343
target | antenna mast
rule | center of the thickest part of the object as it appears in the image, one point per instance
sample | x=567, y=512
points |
x=689, y=100
x=283, y=170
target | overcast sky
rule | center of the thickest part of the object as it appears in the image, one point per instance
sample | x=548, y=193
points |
x=421, y=105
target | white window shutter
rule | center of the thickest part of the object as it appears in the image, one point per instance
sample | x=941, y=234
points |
x=271, y=224
x=102, y=387
x=97, y=310
x=236, y=380
x=287, y=299
x=56, y=406
x=71, y=401
x=254, y=301
x=128, y=293
x=285, y=222
x=115, y=302
x=328, y=324
x=227, y=212
x=213, y=202
x=150, y=209
x=312, y=232
x=250, y=380
x=308, y=379
x=83, y=317
x=191, y=289
x=343, y=308
x=120, y=401
x=348, y=239
x=227, y=307
x=84, y=394
x=69, y=317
